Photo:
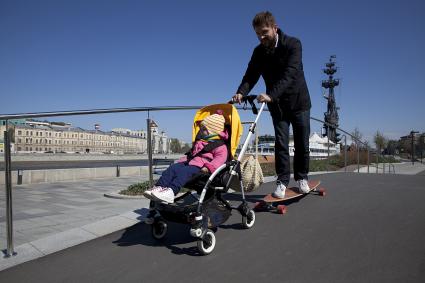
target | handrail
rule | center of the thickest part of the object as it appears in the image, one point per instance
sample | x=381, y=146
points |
x=138, y=109
x=93, y=111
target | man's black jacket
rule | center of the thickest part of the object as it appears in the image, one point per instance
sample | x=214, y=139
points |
x=282, y=71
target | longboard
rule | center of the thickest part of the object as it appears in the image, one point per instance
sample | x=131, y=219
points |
x=268, y=202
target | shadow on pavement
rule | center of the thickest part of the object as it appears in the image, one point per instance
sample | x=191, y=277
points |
x=177, y=234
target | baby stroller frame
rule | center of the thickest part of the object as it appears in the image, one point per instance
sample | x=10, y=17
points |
x=211, y=209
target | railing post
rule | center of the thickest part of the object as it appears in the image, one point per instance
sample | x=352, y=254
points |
x=377, y=162
x=149, y=147
x=20, y=176
x=118, y=171
x=345, y=153
x=368, y=163
x=8, y=179
x=328, y=156
x=358, y=158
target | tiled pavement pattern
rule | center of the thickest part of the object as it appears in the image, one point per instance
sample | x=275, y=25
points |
x=41, y=210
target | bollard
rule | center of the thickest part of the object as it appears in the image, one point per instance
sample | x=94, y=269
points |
x=20, y=175
x=118, y=170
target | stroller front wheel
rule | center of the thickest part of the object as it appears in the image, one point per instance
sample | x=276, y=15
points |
x=159, y=229
x=248, y=220
x=207, y=244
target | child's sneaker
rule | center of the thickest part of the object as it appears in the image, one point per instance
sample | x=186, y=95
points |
x=303, y=186
x=148, y=193
x=163, y=194
x=280, y=190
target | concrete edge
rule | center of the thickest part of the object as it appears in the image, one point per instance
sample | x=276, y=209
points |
x=117, y=195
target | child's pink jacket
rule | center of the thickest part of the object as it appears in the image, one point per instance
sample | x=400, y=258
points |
x=211, y=160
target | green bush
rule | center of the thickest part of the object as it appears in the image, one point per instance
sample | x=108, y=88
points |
x=136, y=189
x=140, y=188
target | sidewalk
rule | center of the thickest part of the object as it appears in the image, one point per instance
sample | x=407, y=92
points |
x=51, y=217
x=404, y=168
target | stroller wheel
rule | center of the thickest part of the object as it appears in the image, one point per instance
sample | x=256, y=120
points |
x=249, y=220
x=159, y=229
x=207, y=244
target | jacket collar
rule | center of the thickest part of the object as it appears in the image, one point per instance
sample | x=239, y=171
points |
x=282, y=37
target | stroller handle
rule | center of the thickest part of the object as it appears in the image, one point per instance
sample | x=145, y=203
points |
x=248, y=99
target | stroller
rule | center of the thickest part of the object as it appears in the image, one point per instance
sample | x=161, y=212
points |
x=203, y=206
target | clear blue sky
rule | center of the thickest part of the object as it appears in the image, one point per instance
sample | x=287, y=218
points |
x=70, y=55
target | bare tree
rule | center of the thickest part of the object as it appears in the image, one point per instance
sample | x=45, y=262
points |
x=356, y=136
x=380, y=141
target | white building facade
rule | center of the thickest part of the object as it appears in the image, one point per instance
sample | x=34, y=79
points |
x=46, y=137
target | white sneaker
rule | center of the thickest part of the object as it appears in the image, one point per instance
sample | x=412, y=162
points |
x=148, y=193
x=163, y=194
x=303, y=186
x=280, y=190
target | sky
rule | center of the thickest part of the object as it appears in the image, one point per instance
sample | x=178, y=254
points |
x=73, y=55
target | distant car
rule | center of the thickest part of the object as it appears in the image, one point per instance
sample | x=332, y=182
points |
x=49, y=151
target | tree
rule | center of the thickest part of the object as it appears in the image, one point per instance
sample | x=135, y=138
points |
x=380, y=141
x=392, y=147
x=175, y=146
x=356, y=136
x=185, y=148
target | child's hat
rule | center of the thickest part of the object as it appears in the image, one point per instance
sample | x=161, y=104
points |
x=214, y=123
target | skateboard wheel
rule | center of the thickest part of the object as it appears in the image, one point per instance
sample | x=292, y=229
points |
x=259, y=205
x=322, y=192
x=281, y=209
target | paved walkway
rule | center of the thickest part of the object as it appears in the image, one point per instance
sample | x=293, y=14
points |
x=364, y=230
x=52, y=217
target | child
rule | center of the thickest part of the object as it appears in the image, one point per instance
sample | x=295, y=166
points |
x=173, y=179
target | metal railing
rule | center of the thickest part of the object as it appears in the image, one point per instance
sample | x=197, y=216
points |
x=7, y=152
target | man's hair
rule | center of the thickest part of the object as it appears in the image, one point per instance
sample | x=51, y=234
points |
x=263, y=19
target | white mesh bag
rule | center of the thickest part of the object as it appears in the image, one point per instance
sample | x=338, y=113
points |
x=252, y=175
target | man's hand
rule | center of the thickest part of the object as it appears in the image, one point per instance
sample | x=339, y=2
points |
x=205, y=170
x=237, y=98
x=264, y=98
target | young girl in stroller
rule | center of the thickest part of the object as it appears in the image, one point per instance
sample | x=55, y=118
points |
x=209, y=151
x=215, y=137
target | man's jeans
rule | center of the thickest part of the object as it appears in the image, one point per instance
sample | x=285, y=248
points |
x=301, y=129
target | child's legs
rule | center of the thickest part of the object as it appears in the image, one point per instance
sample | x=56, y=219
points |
x=168, y=175
x=182, y=175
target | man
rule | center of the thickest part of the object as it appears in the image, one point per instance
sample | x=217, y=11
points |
x=278, y=59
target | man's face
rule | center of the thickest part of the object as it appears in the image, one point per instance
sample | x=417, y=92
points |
x=267, y=35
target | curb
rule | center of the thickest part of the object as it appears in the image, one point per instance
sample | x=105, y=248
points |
x=117, y=195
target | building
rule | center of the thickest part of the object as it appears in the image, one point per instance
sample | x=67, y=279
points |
x=318, y=146
x=60, y=137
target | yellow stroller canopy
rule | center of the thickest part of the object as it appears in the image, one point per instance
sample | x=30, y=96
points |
x=231, y=116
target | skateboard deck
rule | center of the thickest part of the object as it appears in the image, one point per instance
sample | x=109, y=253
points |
x=268, y=202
